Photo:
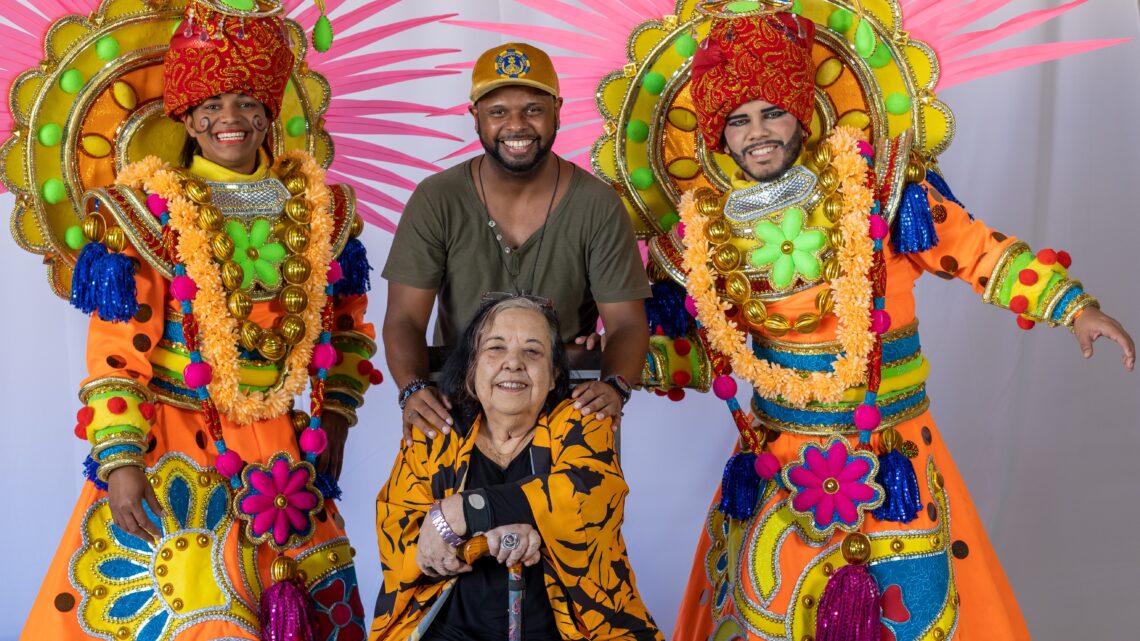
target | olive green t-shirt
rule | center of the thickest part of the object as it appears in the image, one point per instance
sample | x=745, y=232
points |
x=588, y=253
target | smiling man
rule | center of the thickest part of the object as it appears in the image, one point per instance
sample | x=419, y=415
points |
x=515, y=219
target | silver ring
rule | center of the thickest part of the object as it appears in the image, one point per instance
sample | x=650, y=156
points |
x=510, y=541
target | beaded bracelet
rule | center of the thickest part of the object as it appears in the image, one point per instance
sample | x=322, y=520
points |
x=411, y=388
x=435, y=515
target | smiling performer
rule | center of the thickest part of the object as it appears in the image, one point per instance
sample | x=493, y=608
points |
x=516, y=219
x=218, y=290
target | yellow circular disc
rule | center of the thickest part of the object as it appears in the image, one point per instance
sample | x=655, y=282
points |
x=125, y=95
x=96, y=145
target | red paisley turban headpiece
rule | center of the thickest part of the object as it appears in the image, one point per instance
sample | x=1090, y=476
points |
x=213, y=53
x=755, y=58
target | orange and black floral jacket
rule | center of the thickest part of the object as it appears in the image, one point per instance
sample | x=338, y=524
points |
x=577, y=496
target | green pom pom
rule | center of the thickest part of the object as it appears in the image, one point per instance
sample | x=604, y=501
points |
x=839, y=20
x=107, y=48
x=53, y=191
x=686, y=46
x=322, y=34
x=743, y=6
x=864, y=40
x=50, y=134
x=637, y=130
x=642, y=178
x=654, y=83
x=880, y=58
x=668, y=220
x=71, y=81
x=898, y=103
x=798, y=7
x=74, y=237
x=295, y=126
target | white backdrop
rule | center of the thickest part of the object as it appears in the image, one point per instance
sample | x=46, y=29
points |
x=1047, y=442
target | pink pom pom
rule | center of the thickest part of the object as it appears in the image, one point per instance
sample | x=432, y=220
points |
x=183, y=288
x=314, y=441
x=767, y=465
x=335, y=272
x=878, y=228
x=198, y=375
x=324, y=356
x=229, y=464
x=724, y=387
x=867, y=417
x=865, y=149
x=156, y=204
x=691, y=306
x=880, y=321
x=680, y=227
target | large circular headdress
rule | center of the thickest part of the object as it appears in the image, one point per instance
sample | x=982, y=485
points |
x=95, y=105
x=869, y=74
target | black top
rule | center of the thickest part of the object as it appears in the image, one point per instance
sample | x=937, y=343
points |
x=476, y=610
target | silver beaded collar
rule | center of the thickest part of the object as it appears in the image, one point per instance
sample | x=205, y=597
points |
x=764, y=199
x=265, y=197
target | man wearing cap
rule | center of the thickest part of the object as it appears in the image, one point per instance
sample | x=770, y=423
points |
x=842, y=516
x=516, y=219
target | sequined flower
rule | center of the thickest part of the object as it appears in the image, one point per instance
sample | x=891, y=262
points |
x=257, y=257
x=788, y=249
x=279, y=500
x=833, y=486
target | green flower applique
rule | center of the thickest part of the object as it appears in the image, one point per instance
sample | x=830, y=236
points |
x=788, y=249
x=257, y=258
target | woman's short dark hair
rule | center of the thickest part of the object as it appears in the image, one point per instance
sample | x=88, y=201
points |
x=457, y=376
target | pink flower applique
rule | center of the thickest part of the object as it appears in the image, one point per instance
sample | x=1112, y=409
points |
x=278, y=501
x=833, y=485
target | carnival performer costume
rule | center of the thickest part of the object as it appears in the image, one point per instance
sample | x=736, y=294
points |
x=216, y=298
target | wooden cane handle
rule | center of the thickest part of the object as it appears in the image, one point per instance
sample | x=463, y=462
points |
x=473, y=549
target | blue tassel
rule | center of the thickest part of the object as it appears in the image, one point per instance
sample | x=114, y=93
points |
x=328, y=487
x=115, y=292
x=902, y=502
x=666, y=309
x=90, y=467
x=938, y=182
x=740, y=487
x=83, y=284
x=354, y=265
x=914, y=225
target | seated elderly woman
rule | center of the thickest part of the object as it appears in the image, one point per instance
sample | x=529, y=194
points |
x=525, y=470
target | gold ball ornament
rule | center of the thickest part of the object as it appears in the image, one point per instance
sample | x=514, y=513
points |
x=890, y=439
x=777, y=325
x=168, y=589
x=210, y=218
x=822, y=155
x=292, y=329
x=719, y=231
x=726, y=257
x=754, y=312
x=829, y=180
x=915, y=171
x=240, y=304
x=287, y=167
x=708, y=202
x=272, y=346
x=831, y=269
x=232, y=275
x=835, y=237
x=297, y=209
x=296, y=184
x=299, y=419
x=897, y=545
x=296, y=269
x=198, y=191
x=94, y=227
x=807, y=323
x=294, y=299
x=250, y=335
x=297, y=238
x=283, y=569
x=825, y=301
x=357, y=226
x=181, y=543
x=223, y=247
x=115, y=239
x=832, y=208
x=856, y=548
x=737, y=287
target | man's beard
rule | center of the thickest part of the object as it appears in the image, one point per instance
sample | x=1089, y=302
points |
x=791, y=150
x=514, y=166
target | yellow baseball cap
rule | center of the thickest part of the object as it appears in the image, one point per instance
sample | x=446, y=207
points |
x=515, y=63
